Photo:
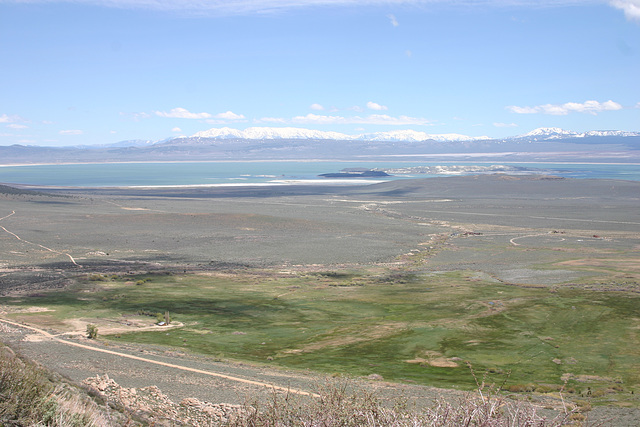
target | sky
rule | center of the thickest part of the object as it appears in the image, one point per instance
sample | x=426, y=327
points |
x=78, y=72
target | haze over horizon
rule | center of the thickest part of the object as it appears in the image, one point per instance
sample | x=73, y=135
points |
x=100, y=71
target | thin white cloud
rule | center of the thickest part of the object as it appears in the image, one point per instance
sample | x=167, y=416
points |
x=393, y=20
x=376, y=106
x=631, y=8
x=505, y=125
x=176, y=129
x=182, y=113
x=246, y=7
x=5, y=118
x=225, y=118
x=589, y=107
x=316, y=107
x=229, y=115
x=17, y=126
x=71, y=132
x=271, y=120
x=374, y=119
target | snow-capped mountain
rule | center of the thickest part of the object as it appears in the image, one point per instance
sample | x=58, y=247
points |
x=609, y=133
x=549, y=133
x=414, y=136
x=544, y=134
x=264, y=133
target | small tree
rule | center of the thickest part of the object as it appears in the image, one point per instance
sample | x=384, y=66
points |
x=92, y=331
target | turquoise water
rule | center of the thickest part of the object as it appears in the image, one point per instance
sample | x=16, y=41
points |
x=260, y=173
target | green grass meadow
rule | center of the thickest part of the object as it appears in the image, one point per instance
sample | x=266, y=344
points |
x=409, y=327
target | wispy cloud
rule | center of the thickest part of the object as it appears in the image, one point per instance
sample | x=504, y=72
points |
x=225, y=118
x=505, y=125
x=393, y=20
x=71, y=132
x=631, y=8
x=376, y=106
x=373, y=119
x=229, y=115
x=245, y=7
x=5, y=118
x=182, y=113
x=589, y=107
x=316, y=107
x=17, y=126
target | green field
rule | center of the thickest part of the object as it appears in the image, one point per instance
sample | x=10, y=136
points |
x=408, y=327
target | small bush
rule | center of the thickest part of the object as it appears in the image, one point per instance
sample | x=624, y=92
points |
x=92, y=331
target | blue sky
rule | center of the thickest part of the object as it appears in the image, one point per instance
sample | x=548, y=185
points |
x=100, y=71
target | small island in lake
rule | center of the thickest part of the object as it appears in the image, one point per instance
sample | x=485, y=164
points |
x=355, y=173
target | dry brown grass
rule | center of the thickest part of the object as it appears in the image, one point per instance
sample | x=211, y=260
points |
x=341, y=405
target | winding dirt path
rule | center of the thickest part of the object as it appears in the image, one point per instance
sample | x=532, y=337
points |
x=37, y=244
x=156, y=362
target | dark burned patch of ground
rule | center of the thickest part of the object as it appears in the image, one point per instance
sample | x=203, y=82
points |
x=5, y=189
x=30, y=280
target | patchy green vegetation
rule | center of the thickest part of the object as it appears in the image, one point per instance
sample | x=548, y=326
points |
x=405, y=326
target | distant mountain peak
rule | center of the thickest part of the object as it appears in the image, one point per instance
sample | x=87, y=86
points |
x=549, y=132
x=558, y=133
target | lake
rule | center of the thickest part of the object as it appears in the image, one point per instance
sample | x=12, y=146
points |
x=268, y=173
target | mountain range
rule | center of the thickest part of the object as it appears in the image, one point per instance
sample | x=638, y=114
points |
x=269, y=143
x=262, y=133
x=270, y=133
